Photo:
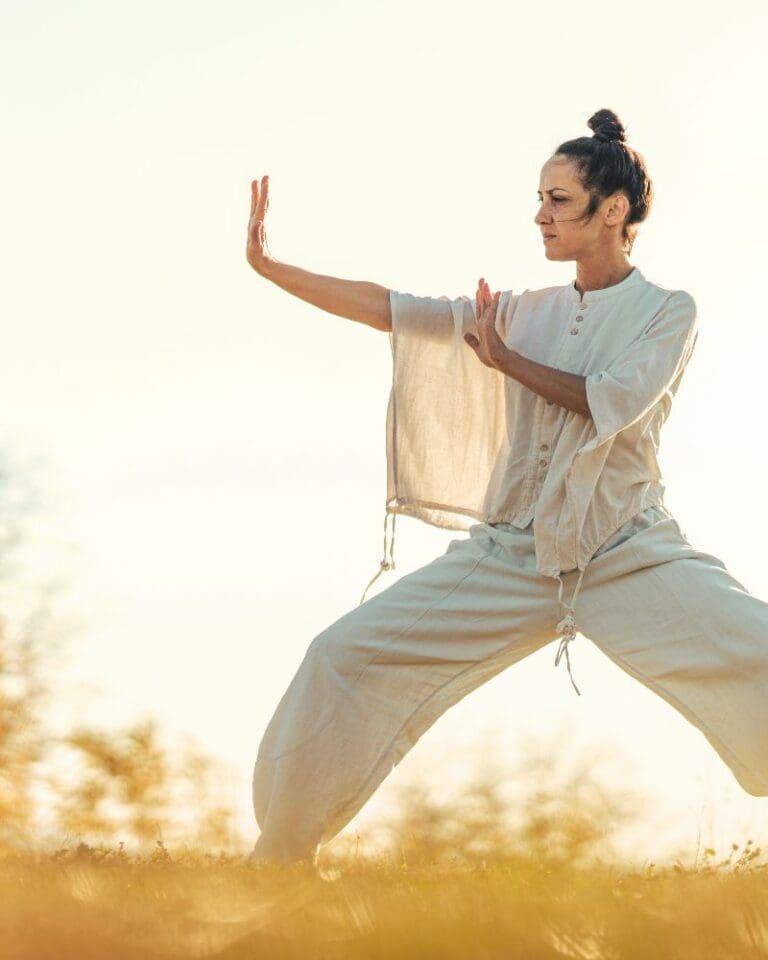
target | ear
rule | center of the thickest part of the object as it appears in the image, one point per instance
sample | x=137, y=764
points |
x=616, y=209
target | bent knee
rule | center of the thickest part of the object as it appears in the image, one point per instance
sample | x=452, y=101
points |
x=350, y=640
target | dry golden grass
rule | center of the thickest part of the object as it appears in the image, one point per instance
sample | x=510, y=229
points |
x=91, y=903
x=476, y=877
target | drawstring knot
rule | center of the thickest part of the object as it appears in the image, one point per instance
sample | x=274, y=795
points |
x=384, y=563
x=566, y=627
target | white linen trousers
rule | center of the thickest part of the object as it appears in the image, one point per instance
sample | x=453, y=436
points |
x=376, y=679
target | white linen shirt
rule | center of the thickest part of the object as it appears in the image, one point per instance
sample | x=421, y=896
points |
x=467, y=443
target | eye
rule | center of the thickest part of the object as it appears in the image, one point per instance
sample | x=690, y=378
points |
x=555, y=199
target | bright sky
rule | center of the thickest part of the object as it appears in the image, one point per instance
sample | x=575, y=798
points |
x=212, y=449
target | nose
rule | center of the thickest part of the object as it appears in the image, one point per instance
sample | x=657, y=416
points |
x=543, y=215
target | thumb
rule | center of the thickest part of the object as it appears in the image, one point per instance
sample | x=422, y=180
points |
x=472, y=340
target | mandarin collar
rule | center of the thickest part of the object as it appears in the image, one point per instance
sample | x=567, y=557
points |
x=593, y=296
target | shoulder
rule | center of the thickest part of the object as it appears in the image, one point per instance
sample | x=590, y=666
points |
x=680, y=299
x=676, y=316
x=680, y=309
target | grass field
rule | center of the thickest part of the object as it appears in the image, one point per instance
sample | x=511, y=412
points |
x=89, y=903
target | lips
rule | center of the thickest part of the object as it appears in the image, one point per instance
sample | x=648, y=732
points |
x=549, y=236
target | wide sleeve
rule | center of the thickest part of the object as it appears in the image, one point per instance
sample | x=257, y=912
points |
x=646, y=370
x=435, y=319
x=445, y=420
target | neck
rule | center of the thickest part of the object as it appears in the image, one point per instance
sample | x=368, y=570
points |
x=598, y=274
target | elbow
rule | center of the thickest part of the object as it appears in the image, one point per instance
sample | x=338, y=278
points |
x=384, y=315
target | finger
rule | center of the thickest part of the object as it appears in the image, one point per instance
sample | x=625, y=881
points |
x=494, y=311
x=486, y=297
x=480, y=301
x=489, y=315
x=472, y=340
x=262, y=197
x=254, y=195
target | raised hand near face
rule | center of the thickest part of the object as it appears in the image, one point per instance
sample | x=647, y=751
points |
x=487, y=343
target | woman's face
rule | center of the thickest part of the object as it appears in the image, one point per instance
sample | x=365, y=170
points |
x=562, y=202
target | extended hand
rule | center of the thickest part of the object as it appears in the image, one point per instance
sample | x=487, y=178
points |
x=487, y=344
x=257, y=251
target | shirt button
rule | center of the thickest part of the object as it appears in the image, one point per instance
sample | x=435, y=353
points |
x=579, y=319
x=550, y=402
x=574, y=329
x=544, y=446
x=542, y=463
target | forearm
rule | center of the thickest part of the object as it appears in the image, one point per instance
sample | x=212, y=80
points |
x=353, y=299
x=563, y=388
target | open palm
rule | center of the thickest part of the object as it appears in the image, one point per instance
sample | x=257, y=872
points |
x=257, y=251
x=486, y=343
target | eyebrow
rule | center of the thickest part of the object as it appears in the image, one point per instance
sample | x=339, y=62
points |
x=552, y=190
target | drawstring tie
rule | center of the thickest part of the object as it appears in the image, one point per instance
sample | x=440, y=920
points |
x=384, y=564
x=567, y=626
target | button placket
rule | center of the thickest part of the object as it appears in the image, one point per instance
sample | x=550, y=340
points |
x=530, y=484
x=578, y=319
x=561, y=348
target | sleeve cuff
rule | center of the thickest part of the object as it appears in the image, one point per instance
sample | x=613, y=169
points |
x=602, y=410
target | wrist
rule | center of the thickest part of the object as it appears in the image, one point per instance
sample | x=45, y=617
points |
x=266, y=268
x=504, y=360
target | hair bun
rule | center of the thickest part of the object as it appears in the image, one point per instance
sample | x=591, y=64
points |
x=606, y=126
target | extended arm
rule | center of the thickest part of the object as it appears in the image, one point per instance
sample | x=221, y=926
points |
x=354, y=299
x=358, y=300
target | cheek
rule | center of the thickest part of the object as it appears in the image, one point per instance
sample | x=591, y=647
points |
x=570, y=231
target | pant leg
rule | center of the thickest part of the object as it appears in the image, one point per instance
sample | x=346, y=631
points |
x=676, y=619
x=374, y=681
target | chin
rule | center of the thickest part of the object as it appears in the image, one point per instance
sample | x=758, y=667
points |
x=554, y=255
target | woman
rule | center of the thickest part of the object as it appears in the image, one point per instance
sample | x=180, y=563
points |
x=531, y=419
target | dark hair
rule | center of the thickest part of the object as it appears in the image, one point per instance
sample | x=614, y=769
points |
x=606, y=164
